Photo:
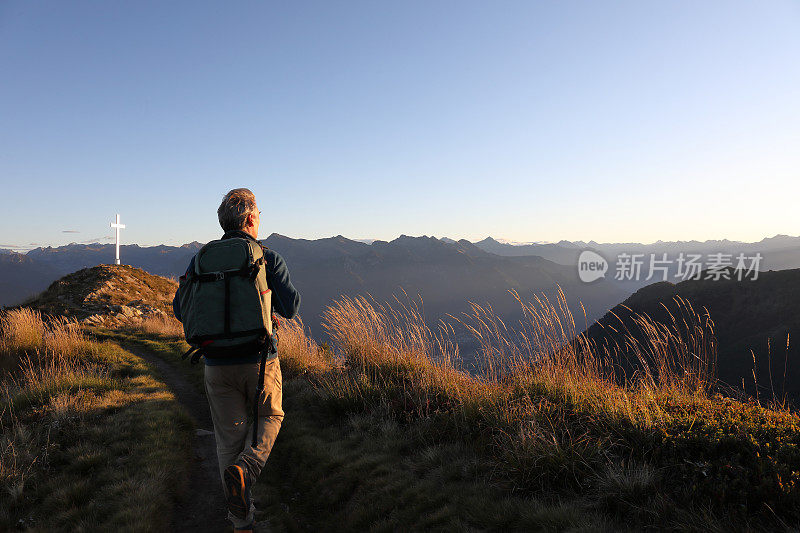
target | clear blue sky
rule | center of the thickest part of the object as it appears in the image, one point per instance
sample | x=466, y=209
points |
x=612, y=121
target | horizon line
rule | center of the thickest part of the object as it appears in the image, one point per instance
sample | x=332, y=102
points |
x=24, y=249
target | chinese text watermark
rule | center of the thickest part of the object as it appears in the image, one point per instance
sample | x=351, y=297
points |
x=661, y=267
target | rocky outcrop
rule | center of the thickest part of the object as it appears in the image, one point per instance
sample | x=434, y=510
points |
x=107, y=295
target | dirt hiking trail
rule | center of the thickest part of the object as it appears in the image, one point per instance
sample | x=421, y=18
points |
x=202, y=507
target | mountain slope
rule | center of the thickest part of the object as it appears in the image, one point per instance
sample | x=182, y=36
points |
x=561, y=446
x=447, y=276
x=21, y=277
x=564, y=253
x=747, y=315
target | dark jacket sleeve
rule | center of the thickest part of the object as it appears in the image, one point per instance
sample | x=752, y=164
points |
x=176, y=302
x=285, y=298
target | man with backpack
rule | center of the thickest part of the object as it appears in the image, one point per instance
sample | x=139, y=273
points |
x=225, y=301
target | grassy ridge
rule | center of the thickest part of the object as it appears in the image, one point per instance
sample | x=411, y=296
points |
x=90, y=438
x=353, y=469
x=384, y=432
x=553, y=411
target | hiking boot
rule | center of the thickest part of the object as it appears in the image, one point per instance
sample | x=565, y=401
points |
x=237, y=490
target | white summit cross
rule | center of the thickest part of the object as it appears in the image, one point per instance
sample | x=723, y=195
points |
x=116, y=225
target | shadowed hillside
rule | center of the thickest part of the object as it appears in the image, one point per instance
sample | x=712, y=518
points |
x=446, y=275
x=757, y=316
x=21, y=277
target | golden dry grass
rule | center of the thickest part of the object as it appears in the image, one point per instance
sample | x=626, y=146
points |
x=28, y=340
x=553, y=408
x=544, y=351
x=87, y=435
x=157, y=325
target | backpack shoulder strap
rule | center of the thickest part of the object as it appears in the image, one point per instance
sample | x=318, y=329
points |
x=264, y=255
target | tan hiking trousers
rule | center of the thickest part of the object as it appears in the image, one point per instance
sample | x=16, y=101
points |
x=231, y=390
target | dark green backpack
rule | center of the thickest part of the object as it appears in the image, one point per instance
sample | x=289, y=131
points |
x=226, y=305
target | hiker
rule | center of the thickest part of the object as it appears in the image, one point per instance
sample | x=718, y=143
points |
x=238, y=364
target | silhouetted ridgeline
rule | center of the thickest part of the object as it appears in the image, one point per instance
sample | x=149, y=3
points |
x=779, y=252
x=162, y=260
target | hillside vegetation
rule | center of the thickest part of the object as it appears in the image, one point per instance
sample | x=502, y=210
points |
x=658, y=450
x=384, y=431
x=90, y=438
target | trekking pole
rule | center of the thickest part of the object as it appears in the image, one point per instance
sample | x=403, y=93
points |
x=269, y=348
x=259, y=392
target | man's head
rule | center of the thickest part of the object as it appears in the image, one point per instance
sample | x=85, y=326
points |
x=238, y=211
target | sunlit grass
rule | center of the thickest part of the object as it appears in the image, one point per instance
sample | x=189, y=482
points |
x=90, y=439
x=157, y=325
x=559, y=413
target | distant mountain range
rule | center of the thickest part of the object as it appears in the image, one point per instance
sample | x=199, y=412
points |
x=162, y=260
x=25, y=275
x=779, y=252
x=447, y=275
x=563, y=253
x=775, y=253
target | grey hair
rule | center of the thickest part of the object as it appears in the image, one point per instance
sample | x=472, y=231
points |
x=235, y=207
